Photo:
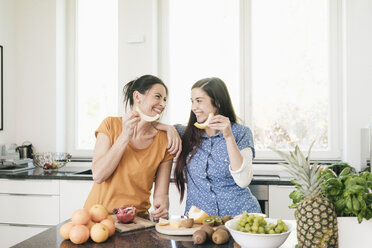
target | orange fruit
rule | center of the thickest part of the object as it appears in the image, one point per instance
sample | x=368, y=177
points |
x=109, y=217
x=79, y=234
x=80, y=217
x=65, y=229
x=99, y=233
x=90, y=224
x=98, y=213
x=110, y=225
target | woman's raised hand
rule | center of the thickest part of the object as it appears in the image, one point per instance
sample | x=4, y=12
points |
x=129, y=122
x=222, y=124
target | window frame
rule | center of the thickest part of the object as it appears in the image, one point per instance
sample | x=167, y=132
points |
x=334, y=151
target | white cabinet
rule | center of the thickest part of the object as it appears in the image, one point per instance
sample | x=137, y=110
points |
x=279, y=201
x=27, y=208
x=73, y=194
x=12, y=234
x=175, y=207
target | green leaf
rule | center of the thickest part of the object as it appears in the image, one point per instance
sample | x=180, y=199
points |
x=345, y=171
x=356, y=204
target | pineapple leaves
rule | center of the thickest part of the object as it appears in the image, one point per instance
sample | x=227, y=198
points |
x=305, y=175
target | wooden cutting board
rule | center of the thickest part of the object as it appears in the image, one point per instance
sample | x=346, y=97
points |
x=138, y=223
x=182, y=231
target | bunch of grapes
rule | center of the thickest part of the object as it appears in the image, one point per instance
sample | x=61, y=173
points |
x=252, y=223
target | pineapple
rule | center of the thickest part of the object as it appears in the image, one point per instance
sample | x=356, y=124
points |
x=315, y=215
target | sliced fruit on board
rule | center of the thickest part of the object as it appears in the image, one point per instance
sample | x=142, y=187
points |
x=197, y=214
x=205, y=124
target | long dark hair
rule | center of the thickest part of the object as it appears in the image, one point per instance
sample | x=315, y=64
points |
x=220, y=98
x=141, y=84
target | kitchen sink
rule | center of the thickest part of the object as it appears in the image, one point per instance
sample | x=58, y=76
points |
x=82, y=173
x=86, y=172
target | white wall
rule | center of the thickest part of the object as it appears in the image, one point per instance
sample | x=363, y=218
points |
x=33, y=90
x=7, y=39
x=358, y=75
x=33, y=75
x=137, y=41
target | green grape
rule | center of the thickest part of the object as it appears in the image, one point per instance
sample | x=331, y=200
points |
x=254, y=227
x=257, y=224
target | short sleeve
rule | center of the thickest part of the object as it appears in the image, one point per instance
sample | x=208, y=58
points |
x=104, y=127
x=245, y=139
x=167, y=156
x=180, y=129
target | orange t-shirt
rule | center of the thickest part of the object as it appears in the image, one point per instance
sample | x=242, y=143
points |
x=131, y=182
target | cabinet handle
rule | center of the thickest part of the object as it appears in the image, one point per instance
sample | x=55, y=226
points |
x=27, y=225
x=16, y=194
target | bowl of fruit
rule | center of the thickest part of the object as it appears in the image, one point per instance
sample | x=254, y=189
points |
x=252, y=230
x=51, y=160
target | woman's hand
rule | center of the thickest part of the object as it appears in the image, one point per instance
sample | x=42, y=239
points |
x=174, y=141
x=129, y=122
x=161, y=206
x=222, y=124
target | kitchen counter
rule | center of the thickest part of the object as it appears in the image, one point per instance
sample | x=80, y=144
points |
x=135, y=239
x=77, y=173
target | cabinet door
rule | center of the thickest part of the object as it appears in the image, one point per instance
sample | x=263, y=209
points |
x=175, y=207
x=279, y=201
x=29, y=209
x=13, y=234
x=73, y=194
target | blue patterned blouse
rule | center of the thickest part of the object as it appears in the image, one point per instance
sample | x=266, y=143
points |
x=210, y=186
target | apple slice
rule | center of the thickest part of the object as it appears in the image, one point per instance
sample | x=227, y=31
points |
x=146, y=117
x=205, y=124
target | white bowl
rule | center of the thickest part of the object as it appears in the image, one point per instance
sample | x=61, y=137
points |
x=253, y=240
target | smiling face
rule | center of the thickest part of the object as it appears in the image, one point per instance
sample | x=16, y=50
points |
x=201, y=104
x=153, y=102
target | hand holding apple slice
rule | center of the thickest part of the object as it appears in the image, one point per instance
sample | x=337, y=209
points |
x=146, y=117
x=205, y=124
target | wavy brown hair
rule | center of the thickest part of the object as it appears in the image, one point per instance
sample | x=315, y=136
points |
x=216, y=89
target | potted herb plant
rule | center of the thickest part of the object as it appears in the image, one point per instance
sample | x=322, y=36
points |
x=351, y=195
x=348, y=196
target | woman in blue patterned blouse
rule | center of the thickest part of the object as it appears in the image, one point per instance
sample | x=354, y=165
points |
x=216, y=161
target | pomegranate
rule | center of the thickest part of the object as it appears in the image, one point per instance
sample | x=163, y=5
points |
x=125, y=214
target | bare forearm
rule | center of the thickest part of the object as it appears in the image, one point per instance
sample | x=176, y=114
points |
x=103, y=166
x=162, y=180
x=236, y=159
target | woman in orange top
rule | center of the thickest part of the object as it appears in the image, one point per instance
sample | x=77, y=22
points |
x=130, y=152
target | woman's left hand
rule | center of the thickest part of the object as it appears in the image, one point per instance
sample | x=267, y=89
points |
x=222, y=124
x=161, y=205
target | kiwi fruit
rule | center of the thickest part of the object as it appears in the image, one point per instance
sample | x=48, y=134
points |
x=199, y=237
x=208, y=221
x=223, y=228
x=220, y=236
x=208, y=229
x=188, y=223
x=225, y=218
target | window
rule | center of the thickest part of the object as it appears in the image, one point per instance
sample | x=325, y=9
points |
x=96, y=65
x=277, y=57
x=200, y=47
